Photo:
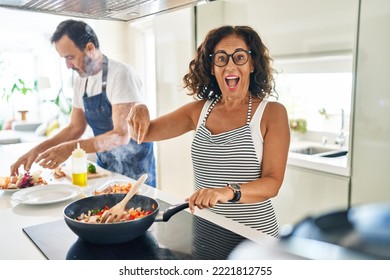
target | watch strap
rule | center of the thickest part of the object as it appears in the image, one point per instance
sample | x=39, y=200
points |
x=237, y=192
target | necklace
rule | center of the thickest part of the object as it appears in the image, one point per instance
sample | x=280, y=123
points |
x=212, y=106
x=219, y=98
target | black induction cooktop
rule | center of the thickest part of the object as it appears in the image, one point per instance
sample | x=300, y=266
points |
x=184, y=236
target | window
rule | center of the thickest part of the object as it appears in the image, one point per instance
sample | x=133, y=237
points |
x=317, y=89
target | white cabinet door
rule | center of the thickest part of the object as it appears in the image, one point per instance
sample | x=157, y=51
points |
x=371, y=133
x=306, y=192
x=294, y=27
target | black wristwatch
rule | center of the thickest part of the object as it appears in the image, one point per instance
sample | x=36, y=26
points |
x=237, y=192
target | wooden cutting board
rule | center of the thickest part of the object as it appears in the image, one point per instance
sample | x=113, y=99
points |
x=100, y=172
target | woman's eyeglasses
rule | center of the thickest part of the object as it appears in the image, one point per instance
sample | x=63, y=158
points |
x=239, y=57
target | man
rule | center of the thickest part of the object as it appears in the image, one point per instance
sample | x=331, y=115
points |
x=104, y=94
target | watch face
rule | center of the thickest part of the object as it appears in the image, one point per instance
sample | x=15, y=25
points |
x=235, y=186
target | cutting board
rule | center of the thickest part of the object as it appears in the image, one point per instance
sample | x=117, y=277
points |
x=100, y=172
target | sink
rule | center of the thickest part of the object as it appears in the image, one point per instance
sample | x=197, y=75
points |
x=320, y=151
x=335, y=154
x=312, y=150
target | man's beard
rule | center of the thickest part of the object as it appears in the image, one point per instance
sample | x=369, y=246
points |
x=89, y=66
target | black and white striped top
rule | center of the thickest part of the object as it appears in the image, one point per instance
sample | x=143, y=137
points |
x=231, y=157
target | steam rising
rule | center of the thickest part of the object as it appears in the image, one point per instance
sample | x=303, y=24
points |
x=131, y=160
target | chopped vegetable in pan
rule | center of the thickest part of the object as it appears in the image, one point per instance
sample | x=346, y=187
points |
x=116, y=188
x=94, y=216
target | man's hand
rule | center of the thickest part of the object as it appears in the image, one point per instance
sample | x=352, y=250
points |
x=26, y=160
x=54, y=156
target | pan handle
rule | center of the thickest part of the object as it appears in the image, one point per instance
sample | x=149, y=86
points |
x=169, y=212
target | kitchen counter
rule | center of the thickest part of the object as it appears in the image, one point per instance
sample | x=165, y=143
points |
x=16, y=245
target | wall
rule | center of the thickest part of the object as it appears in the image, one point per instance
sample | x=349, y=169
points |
x=174, y=50
x=112, y=39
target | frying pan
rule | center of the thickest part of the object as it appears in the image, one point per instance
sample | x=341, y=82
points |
x=114, y=233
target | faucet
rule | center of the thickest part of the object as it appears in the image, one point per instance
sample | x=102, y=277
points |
x=340, y=140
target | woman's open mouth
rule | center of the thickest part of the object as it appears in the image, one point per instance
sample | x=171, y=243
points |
x=232, y=81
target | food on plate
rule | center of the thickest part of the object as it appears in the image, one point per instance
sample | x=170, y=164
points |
x=115, y=188
x=91, y=168
x=22, y=181
x=58, y=173
x=4, y=181
x=94, y=216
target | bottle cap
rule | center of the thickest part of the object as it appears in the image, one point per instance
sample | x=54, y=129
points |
x=78, y=152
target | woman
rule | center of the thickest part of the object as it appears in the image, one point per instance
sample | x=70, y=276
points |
x=240, y=147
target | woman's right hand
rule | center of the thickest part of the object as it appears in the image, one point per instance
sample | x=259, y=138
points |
x=207, y=198
x=138, y=120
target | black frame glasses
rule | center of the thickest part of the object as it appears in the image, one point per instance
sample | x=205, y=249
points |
x=239, y=57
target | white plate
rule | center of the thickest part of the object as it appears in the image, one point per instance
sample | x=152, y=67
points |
x=10, y=190
x=143, y=189
x=17, y=189
x=46, y=194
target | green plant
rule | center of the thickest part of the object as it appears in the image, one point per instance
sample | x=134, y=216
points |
x=298, y=125
x=20, y=86
x=63, y=103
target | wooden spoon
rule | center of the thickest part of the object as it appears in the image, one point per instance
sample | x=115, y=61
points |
x=115, y=213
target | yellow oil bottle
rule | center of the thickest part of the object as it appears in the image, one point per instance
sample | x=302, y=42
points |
x=79, y=167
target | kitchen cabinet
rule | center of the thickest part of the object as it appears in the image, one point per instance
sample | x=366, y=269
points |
x=371, y=133
x=308, y=192
x=301, y=27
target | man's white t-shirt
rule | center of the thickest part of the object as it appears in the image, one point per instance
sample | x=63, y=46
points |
x=123, y=85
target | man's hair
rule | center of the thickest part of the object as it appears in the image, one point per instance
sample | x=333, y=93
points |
x=78, y=31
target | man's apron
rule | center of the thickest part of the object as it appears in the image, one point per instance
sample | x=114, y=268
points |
x=131, y=160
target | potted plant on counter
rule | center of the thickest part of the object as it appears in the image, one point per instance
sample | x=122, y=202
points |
x=298, y=127
x=17, y=98
x=20, y=86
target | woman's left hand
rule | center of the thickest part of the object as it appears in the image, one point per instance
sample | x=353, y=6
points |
x=138, y=120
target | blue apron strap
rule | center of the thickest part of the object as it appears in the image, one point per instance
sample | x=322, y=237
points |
x=104, y=77
x=105, y=71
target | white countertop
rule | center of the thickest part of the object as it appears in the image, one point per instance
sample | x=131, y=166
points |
x=15, y=245
x=337, y=166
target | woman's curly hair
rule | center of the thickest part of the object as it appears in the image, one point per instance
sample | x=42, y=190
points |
x=203, y=85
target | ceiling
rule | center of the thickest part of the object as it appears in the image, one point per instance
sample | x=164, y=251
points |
x=120, y=10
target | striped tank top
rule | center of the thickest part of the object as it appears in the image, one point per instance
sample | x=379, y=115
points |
x=231, y=157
